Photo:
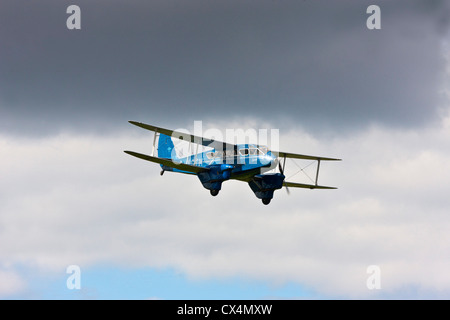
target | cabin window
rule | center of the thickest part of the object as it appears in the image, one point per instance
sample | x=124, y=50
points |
x=243, y=152
x=229, y=153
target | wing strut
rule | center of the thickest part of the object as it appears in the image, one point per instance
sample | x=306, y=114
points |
x=303, y=185
x=317, y=173
x=154, y=142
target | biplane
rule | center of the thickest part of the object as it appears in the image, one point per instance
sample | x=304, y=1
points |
x=224, y=161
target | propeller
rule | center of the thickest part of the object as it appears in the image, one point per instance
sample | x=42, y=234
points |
x=282, y=172
x=280, y=168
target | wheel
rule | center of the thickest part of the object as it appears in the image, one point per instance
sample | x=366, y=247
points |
x=266, y=201
x=214, y=192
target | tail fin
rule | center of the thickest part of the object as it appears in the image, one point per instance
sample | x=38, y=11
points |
x=166, y=148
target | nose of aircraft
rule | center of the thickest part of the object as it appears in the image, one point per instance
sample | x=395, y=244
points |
x=269, y=157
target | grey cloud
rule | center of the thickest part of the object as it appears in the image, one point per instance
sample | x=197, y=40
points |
x=312, y=63
x=77, y=198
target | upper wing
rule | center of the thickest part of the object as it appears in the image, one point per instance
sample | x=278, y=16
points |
x=302, y=156
x=187, y=137
x=169, y=163
x=306, y=186
x=305, y=157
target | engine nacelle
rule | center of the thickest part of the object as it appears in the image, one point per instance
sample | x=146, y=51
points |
x=263, y=185
x=212, y=179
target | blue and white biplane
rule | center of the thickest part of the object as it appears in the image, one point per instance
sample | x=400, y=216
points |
x=224, y=161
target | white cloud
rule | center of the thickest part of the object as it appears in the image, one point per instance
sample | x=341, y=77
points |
x=11, y=283
x=75, y=199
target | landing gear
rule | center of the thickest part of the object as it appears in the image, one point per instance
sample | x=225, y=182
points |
x=266, y=201
x=214, y=192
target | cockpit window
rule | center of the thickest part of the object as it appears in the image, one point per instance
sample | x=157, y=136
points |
x=263, y=150
x=253, y=151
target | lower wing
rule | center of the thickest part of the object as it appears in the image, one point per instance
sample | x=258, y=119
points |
x=168, y=162
x=306, y=186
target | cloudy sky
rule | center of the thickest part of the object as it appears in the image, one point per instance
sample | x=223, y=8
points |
x=378, y=99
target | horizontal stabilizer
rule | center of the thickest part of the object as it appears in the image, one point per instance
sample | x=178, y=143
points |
x=306, y=186
x=169, y=163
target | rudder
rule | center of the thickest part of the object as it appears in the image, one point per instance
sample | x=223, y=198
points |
x=166, y=148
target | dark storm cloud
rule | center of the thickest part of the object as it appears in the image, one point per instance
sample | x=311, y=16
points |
x=312, y=62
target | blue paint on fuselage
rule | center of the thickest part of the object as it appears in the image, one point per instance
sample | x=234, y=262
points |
x=245, y=159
